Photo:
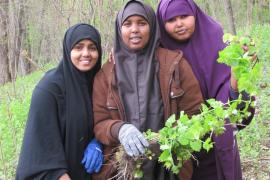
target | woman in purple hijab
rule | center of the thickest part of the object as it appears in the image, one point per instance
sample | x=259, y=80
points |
x=184, y=26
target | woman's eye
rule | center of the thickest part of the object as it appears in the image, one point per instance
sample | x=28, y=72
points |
x=126, y=24
x=183, y=16
x=142, y=23
x=171, y=20
x=78, y=47
x=92, y=48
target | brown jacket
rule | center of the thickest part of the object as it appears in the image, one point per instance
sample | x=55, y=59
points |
x=180, y=91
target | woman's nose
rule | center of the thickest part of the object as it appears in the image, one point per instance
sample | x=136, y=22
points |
x=86, y=52
x=134, y=28
x=179, y=22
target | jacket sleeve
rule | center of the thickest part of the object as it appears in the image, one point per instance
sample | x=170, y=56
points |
x=105, y=128
x=42, y=154
x=192, y=98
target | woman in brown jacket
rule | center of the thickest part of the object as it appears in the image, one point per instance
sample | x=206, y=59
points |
x=144, y=86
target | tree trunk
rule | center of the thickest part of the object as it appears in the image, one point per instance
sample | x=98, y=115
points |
x=249, y=12
x=213, y=5
x=5, y=75
x=23, y=64
x=229, y=12
x=212, y=8
x=257, y=11
x=42, y=28
x=15, y=35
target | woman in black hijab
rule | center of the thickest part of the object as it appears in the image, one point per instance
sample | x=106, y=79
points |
x=60, y=121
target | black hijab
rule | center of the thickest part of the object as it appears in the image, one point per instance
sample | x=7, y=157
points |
x=60, y=119
x=78, y=86
x=137, y=72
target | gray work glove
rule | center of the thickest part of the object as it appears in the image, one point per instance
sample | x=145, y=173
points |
x=132, y=139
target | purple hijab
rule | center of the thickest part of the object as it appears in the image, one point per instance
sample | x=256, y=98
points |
x=201, y=51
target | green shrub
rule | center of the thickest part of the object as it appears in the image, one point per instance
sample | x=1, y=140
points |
x=254, y=140
x=14, y=105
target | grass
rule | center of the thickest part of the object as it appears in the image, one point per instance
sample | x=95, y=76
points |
x=253, y=141
x=14, y=105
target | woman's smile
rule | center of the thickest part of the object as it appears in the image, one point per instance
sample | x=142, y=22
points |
x=84, y=55
x=135, y=39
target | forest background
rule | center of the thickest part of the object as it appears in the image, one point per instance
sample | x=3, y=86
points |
x=31, y=34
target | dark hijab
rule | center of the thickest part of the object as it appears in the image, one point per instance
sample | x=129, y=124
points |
x=137, y=72
x=138, y=83
x=60, y=119
x=201, y=50
x=78, y=85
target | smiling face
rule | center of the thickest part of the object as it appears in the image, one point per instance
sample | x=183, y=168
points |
x=180, y=28
x=84, y=55
x=135, y=32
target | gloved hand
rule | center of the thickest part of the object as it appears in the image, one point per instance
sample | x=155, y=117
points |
x=132, y=139
x=93, y=157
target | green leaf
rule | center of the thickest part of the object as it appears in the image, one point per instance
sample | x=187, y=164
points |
x=150, y=135
x=196, y=145
x=170, y=121
x=168, y=165
x=138, y=174
x=227, y=37
x=165, y=156
x=207, y=144
x=183, y=140
x=245, y=41
x=165, y=147
x=204, y=108
x=175, y=169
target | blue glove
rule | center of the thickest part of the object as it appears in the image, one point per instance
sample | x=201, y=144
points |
x=93, y=157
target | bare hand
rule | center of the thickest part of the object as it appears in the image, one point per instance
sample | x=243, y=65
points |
x=234, y=84
x=65, y=177
x=253, y=56
x=111, y=56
